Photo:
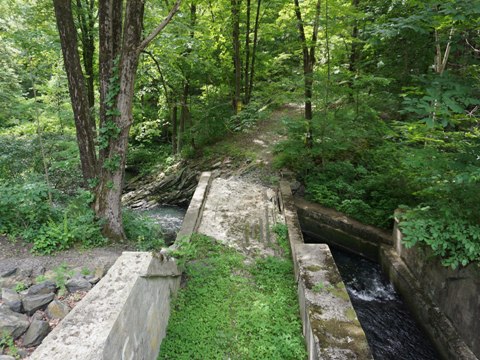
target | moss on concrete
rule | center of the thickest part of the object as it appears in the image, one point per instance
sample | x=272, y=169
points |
x=343, y=335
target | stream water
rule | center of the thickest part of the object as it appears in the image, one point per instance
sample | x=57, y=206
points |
x=170, y=218
x=391, y=331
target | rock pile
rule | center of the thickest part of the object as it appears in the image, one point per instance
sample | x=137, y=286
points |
x=32, y=302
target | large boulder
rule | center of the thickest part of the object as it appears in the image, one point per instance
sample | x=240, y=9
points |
x=57, y=310
x=78, y=284
x=12, y=323
x=45, y=287
x=32, y=303
x=12, y=299
x=36, y=333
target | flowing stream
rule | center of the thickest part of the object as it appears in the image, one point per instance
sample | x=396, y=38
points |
x=170, y=218
x=391, y=331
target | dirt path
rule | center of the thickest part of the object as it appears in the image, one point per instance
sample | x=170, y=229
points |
x=18, y=255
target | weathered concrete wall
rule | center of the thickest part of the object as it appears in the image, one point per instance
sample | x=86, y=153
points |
x=335, y=228
x=192, y=218
x=455, y=292
x=330, y=324
x=123, y=317
x=446, y=303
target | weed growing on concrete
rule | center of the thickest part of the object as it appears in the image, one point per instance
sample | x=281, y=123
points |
x=233, y=310
x=281, y=231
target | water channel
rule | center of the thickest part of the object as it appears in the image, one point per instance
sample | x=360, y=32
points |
x=391, y=331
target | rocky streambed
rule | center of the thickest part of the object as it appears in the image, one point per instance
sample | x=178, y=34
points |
x=34, y=300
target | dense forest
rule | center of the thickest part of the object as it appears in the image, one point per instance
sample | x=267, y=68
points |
x=389, y=89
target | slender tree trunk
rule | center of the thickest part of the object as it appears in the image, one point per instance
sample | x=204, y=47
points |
x=254, y=50
x=174, y=128
x=308, y=64
x=86, y=19
x=352, y=65
x=237, y=102
x=78, y=92
x=247, y=55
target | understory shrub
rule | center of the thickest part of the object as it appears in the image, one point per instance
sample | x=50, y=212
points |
x=142, y=230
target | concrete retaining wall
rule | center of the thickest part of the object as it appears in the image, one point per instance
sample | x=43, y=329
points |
x=446, y=303
x=332, y=227
x=330, y=325
x=123, y=317
x=454, y=294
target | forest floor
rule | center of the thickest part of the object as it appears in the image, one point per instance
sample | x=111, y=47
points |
x=256, y=148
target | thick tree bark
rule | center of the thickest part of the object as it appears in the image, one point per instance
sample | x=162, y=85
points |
x=110, y=15
x=84, y=122
x=237, y=65
x=108, y=200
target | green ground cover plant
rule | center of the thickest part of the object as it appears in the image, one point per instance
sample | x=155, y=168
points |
x=233, y=309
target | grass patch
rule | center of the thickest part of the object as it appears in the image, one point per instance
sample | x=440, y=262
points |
x=230, y=310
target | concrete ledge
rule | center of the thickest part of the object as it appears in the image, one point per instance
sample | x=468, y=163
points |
x=436, y=324
x=330, y=324
x=335, y=228
x=123, y=317
x=192, y=218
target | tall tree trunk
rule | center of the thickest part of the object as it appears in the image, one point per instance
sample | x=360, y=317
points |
x=78, y=92
x=174, y=128
x=254, y=50
x=247, y=55
x=237, y=102
x=308, y=64
x=86, y=20
x=352, y=65
x=118, y=66
x=110, y=13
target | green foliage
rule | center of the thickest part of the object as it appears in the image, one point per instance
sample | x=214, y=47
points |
x=440, y=100
x=143, y=158
x=454, y=239
x=7, y=345
x=112, y=163
x=108, y=131
x=281, y=232
x=227, y=307
x=24, y=207
x=25, y=211
x=20, y=286
x=246, y=119
x=61, y=275
x=53, y=237
x=142, y=230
